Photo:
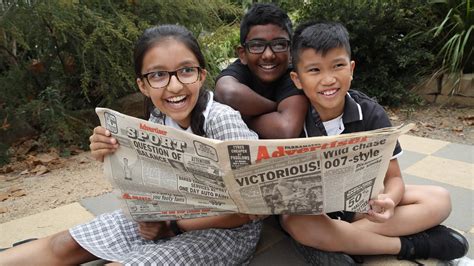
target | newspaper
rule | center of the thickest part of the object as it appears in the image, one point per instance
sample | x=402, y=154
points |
x=161, y=173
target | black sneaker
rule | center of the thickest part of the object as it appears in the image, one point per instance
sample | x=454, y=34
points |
x=318, y=257
x=438, y=242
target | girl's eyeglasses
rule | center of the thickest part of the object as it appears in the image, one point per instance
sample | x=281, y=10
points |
x=161, y=79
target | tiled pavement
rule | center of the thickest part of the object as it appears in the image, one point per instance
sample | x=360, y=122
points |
x=425, y=161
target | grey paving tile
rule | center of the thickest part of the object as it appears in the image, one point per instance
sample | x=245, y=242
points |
x=272, y=221
x=464, y=261
x=408, y=158
x=391, y=260
x=271, y=235
x=456, y=151
x=282, y=253
x=462, y=214
x=101, y=204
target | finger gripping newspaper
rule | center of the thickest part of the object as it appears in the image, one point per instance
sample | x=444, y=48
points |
x=161, y=173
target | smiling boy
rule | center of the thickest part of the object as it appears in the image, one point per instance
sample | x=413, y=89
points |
x=258, y=84
x=404, y=219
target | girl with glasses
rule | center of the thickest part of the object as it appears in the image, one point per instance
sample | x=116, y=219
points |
x=170, y=71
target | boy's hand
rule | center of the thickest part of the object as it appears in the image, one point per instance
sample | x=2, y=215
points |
x=382, y=209
x=154, y=230
x=102, y=143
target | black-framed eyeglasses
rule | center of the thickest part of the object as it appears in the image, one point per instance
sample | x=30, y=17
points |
x=259, y=46
x=161, y=79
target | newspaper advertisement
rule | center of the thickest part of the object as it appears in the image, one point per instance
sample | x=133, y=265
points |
x=162, y=173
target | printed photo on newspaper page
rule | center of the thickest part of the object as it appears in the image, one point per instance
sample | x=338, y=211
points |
x=309, y=175
x=162, y=173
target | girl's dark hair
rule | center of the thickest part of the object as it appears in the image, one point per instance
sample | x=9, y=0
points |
x=153, y=36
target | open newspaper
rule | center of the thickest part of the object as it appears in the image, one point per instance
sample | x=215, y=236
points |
x=162, y=173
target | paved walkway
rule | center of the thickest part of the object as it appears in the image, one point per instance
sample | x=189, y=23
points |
x=425, y=161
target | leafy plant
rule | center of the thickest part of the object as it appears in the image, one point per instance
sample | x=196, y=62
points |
x=219, y=47
x=288, y=5
x=61, y=59
x=4, y=155
x=387, y=63
x=455, y=38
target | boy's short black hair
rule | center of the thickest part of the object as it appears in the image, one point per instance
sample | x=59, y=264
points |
x=320, y=36
x=262, y=14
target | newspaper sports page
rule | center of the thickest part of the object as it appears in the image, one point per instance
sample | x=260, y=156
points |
x=161, y=173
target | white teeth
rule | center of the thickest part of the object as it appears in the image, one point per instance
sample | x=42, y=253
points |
x=329, y=92
x=268, y=66
x=176, y=99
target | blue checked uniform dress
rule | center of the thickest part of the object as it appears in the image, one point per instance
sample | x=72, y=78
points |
x=113, y=237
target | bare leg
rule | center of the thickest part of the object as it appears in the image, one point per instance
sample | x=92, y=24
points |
x=57, y=249
x=324, y=233
x=421, y=208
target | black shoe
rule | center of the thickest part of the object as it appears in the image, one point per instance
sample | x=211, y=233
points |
x=438, y=242
x=318, y=257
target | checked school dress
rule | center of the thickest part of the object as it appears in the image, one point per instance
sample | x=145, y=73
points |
x=114, y=237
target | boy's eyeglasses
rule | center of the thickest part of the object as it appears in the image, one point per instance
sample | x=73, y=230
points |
x=259, y=46
x=161, y=79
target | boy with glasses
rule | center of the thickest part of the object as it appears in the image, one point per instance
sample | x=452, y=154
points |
x=258, y=84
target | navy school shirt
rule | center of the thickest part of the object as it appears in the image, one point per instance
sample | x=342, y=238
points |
x=277, y=91
x=361, y=113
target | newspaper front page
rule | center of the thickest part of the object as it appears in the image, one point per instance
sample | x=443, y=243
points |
x=162, y=173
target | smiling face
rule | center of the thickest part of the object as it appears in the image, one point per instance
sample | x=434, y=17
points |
x=176, y=100
x=267, y=66
x=325, y=79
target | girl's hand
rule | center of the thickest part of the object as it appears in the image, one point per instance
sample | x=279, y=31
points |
x=102, y=143
x=154, y=230
x=382, y=209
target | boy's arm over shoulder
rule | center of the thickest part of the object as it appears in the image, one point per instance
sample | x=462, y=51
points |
x=286, y=122
x=233, y=88
x=240, y=97
x=282, y=118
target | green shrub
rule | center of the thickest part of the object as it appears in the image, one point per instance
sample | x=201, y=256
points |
x=388, y=65
x=4, y=155
x=219, y=47
x=288, y=5
x=59, y=58
x=453, y=34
